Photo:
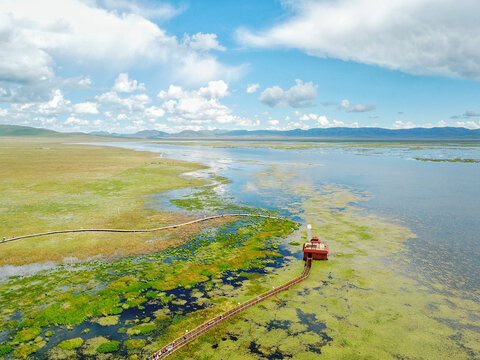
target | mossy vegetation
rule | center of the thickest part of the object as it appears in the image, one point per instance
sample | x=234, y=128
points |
x=71, y=344
x=100, y=290
x=25, y=350
x=134, y=344
x=362, y=303
x=352, y=306
x=28, y=334
x=141, y=329
x=107, y=320
x=5, y=349
x=108, y=347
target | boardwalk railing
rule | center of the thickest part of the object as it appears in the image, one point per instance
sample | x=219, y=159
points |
x=199, y=330
x=139, y=230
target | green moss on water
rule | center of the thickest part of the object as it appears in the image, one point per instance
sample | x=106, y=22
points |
x=141, y=329
x=28, y=334
x=108, y=347
x=25, y=350
x=5, y=349
x=107, y=320
x=134, y=344
x=71, y=344
x=360, y=304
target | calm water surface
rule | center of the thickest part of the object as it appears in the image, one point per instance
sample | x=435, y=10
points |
x=439, y=201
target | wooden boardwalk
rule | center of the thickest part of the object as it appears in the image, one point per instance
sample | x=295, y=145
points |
x=199, y=330
x=4, y=240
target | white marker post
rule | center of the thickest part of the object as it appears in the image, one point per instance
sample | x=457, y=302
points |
x=309, y=232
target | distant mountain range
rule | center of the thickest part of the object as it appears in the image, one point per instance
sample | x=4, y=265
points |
x=340, y=133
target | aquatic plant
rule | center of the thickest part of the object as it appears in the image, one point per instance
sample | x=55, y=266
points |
x=108, y=347
x=71, y=344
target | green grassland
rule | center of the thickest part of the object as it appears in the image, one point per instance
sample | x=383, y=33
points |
x=49, y=185
x=361, y=304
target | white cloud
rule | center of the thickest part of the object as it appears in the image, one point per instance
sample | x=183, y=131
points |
x=124, y=84
x=85, y=108
x=200, y=107
x=72, y=120
x=251, y=88
x=214, y=89
x=135, y=102
x=469, y=124
x=36, y=37
x=273, y=122
x=297, y=96
x=404, y=125
x=154, y=112
x=345, y=104
x=81, y=82
x=320, y=121
x=415, y=36
x=160, y=11
x=362, y=108
x=203, y=42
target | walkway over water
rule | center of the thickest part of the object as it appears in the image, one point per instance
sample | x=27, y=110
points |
x=140, y=230
x=192, y=335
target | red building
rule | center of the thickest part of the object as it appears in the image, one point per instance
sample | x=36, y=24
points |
x=315, y=249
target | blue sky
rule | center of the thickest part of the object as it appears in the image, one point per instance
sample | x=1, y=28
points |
x=125, y=66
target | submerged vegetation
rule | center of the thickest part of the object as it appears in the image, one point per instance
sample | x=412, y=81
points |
x=42, y=308
x=126, y=296
x=72, y=294
x=363, y=301
x=448, y=160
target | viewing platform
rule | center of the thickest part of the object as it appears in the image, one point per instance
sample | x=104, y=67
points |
x=315, y=249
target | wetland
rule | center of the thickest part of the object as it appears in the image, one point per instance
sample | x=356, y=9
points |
x=393, y=287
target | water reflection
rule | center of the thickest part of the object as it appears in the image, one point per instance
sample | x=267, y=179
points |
x=439, y=201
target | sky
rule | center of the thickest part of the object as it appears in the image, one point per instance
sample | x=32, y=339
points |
x=124, y=66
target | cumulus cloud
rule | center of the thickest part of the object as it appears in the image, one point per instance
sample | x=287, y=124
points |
x=130, y=103
x=72, y=120
x=345, y=104
x=200, y=107
x=420, y=37
x=469, y=124
x=85, y=108
x=34, y=41
x=203, y=42
x=297, y=96
x=404, y=125
x=251, y=88
x=320, y=120
x=124, y=84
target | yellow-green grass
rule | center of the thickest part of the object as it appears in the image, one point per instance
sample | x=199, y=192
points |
x=48, y=185
x=312, y=144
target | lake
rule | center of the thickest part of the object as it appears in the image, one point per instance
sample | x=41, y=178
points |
x=438, y=201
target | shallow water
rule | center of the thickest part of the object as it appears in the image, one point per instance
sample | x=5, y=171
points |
x=439, y=201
